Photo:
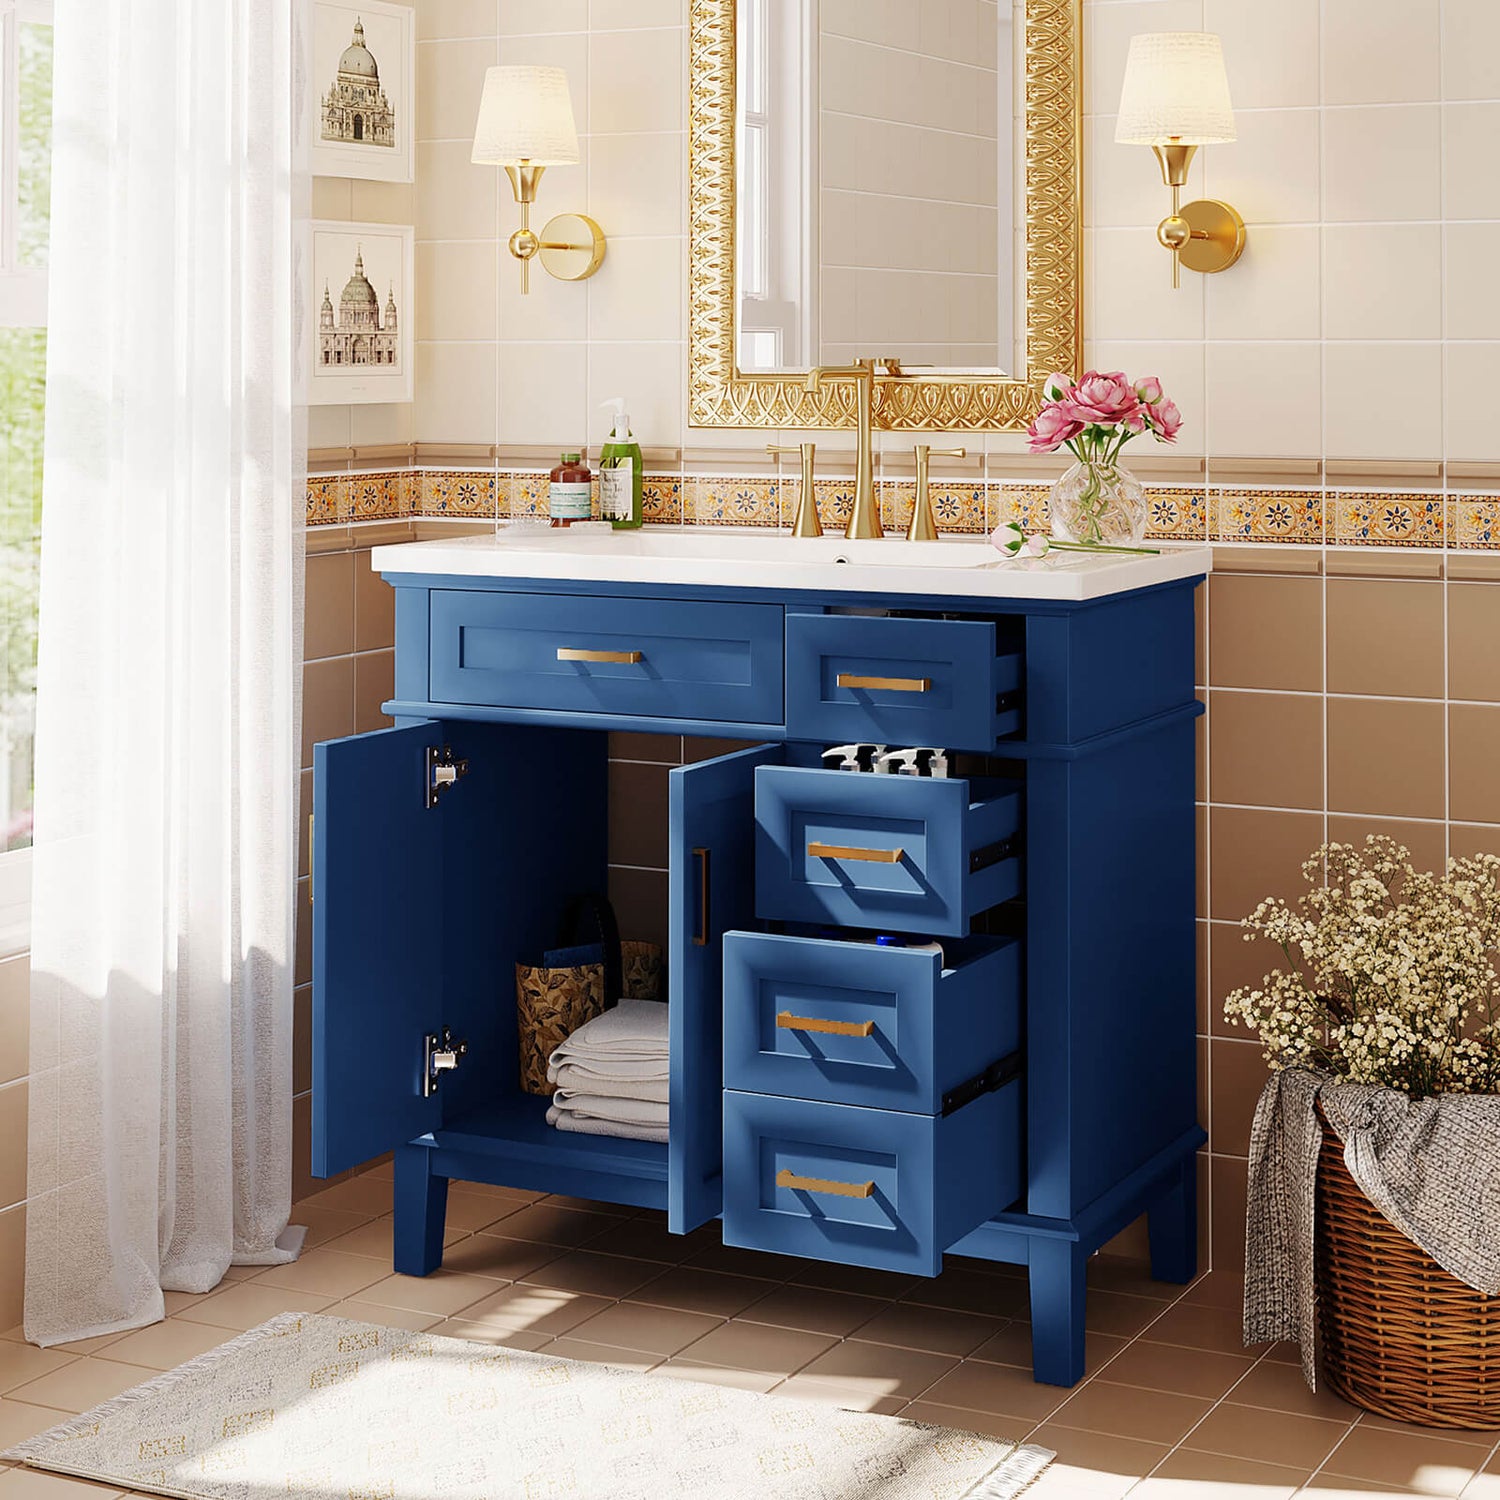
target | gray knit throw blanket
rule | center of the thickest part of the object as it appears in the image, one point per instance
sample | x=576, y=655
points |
x=1431, y=1166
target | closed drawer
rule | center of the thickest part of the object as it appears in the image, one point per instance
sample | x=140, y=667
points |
x=899, y=853
x=852, y=1023
x=900, y=682
x=866, y=1187
x=650, y=658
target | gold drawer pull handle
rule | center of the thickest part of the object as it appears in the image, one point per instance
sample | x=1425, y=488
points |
x=886, y=684
x=786, y=1021
x=621, y=658
x=868, y=856
x=788, y=1179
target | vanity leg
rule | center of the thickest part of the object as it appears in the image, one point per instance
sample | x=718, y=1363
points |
x=421, y=1207
x=1172, y=1225
x=1056, y=1269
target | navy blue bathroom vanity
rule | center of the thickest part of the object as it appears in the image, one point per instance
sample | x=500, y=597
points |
x=1020, y=1097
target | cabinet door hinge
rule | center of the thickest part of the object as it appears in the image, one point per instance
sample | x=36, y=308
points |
x=440, y=1054
x=443, y=771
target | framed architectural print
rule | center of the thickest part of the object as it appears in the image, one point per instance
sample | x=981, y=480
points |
x=365, y=76
x=362, y=345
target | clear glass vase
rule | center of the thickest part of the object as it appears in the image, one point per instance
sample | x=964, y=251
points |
x=1099, y=505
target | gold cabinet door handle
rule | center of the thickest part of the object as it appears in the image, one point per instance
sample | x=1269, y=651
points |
x=789, y=1179
x=866, y=856
x=885, y=684
x=786, y=1021
x=618, y=658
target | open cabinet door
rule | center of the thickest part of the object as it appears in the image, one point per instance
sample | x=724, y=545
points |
x=712, y=892
x=377, y=923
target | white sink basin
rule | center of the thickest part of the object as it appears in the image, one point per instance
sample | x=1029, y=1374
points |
x=746, y=558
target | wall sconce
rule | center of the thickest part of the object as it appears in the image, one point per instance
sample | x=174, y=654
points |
x=1176, y=98
x=526, y=125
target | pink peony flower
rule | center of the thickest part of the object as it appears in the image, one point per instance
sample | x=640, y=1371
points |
x=1107, y=399
x=1056, y=387
x=1166, y=420
x=1148, y=388
x=1056, y=423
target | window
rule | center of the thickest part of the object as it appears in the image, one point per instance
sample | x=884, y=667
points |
x=25, y=201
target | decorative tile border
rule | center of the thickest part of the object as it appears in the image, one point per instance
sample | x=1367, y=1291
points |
x=1299, y=517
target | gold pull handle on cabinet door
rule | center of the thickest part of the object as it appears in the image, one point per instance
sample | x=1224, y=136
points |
x=786, y=1021
x=864, y=856
x=885, y=684
x=788, y=1179
x=700, y=938
x=617, y=658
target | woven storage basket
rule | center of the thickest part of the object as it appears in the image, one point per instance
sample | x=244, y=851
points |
x=1399, y=1335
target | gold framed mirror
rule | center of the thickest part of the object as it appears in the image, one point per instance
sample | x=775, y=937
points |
x=1048, y=115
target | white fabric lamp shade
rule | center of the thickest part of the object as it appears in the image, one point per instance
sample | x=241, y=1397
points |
x=1175, y=92
x=526, y=117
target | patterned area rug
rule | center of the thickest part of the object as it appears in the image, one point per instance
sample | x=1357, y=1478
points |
x=332, y=1410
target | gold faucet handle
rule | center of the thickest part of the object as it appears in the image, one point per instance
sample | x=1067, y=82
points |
x=923, y=528
x=806, y=521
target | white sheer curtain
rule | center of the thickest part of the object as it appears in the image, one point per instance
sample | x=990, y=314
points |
x=168, y=703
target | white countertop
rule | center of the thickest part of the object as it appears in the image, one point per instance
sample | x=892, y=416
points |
x=754, y=558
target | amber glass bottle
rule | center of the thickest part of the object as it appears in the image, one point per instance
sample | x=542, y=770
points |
x=570, y=496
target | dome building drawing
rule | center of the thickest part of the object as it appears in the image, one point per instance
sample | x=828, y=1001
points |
x=361, y=336
x=356, y=111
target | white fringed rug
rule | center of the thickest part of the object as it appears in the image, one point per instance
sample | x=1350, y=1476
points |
x=332, y=1410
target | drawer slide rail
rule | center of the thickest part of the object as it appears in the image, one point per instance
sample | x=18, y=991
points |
x=994, y=1077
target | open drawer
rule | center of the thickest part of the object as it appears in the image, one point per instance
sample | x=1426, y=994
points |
x=895, y=853
x=853, y=1023
x=866, y=1187
x=900, y=681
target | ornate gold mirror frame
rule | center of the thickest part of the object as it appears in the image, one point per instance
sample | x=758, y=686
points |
x=720, y=396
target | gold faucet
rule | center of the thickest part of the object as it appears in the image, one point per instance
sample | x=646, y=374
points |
x=864, y=521
x=806, y=522
x=923, y=528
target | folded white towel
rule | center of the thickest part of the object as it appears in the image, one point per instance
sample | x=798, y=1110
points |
x=632, y=1031
x=565, y=1119
x=603, y=1107
x=575, y=1078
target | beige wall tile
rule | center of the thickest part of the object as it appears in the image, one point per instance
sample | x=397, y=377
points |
x=1180, y=368
x=523, y=17
x=374, y=607
x=15, y=1017
x=329, y=629
x=12, y=1263
x=458, y=288
x=457, y=200
x=1264, y=399
x=653, y=380
x=456, y=18
x=1385, y=637
x=1470, y=287
x=1382, y=281
x=1471, y=142
x=374, y=684
x=621, y=15
x=1385, y=757
x=1473, y=634
x=13, y=1133
x=1356, y=426
x=457, y=400
x=552, y=311
x=1266, y=749
x=636, y=182
x=381, y=422
x=328, y=426
x=1133, y=297
x=1123, y=186
x=1107, y=30
x=1265, y=632
x=642, y=296
x=1469, y=409
x=384, y=202
x=1381, y=164
x=1272, y=173
x=1471, y=42
x=1473, y=754
x=1380, y=51
x=1270, y=50
x=635, y=80
x=1255, y=854
x=327, y=702
x=544, y=395
x=1275, y=291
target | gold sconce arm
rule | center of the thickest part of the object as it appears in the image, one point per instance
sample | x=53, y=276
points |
x=1205, y=235
x=571, y=247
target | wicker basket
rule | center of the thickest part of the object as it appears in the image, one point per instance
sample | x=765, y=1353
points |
x=1399, y=1335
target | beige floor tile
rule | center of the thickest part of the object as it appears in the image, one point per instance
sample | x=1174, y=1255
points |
x=81, y=1385
x=384, y=1317
x=1187, y=1372
x=1121, y=1314
x=702, y=1291
x=326, y=1273
x=754, y=1346
x=550, y=1225
x=590, y=1205
x=937, y=1330
x=534, y=1309
x=471, y=1211
x=370, y=1196
x=1003, y=1389
x=1217, y=1289
x=1280, y=1387
x=641, y=1239
x=1215, y=1476
x=1012, y=1429
x=966, y=1291
x=706, y=1374
x=660, y=1330
x=73, y=1346
x=373, y=1239
x=813, y=1310
x=22, y=1362
x=166, y=1345
x=859, y=1281
x=176, y=1303
x=1119, y=1273
x=1429, y=1465
x=638, y=1360
x=881, y=1368
x=1154, y=1416
x=247, y=1304
x=730, y=1260
x=611, y=1276
x=490, y=1333
x=498, y=1258
x=1012, y=1346
x=1331, y=1487
x=1068, y=1482
x=443, y=1292
x=513, y=1195
x=20, y=1420
x=1197, y=1325
x=32, y=1484
x=1270, y=1436
x=324, y=1224
x=849, y=1395
x=1102, y=1454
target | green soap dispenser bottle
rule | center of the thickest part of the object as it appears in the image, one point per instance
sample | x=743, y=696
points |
x=620, y=472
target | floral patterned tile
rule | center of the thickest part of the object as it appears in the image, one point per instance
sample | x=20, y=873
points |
x=835, y=502
x=661, y=501
x=1177, y=515
x=377, y=497
x=1025, y=504
x=459, y=492
x=1386, y=520
x=1474, y=521
x=326, y=499
x=1266, y=516
x=960, y=507
x=523, y=494
x=732, y=502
